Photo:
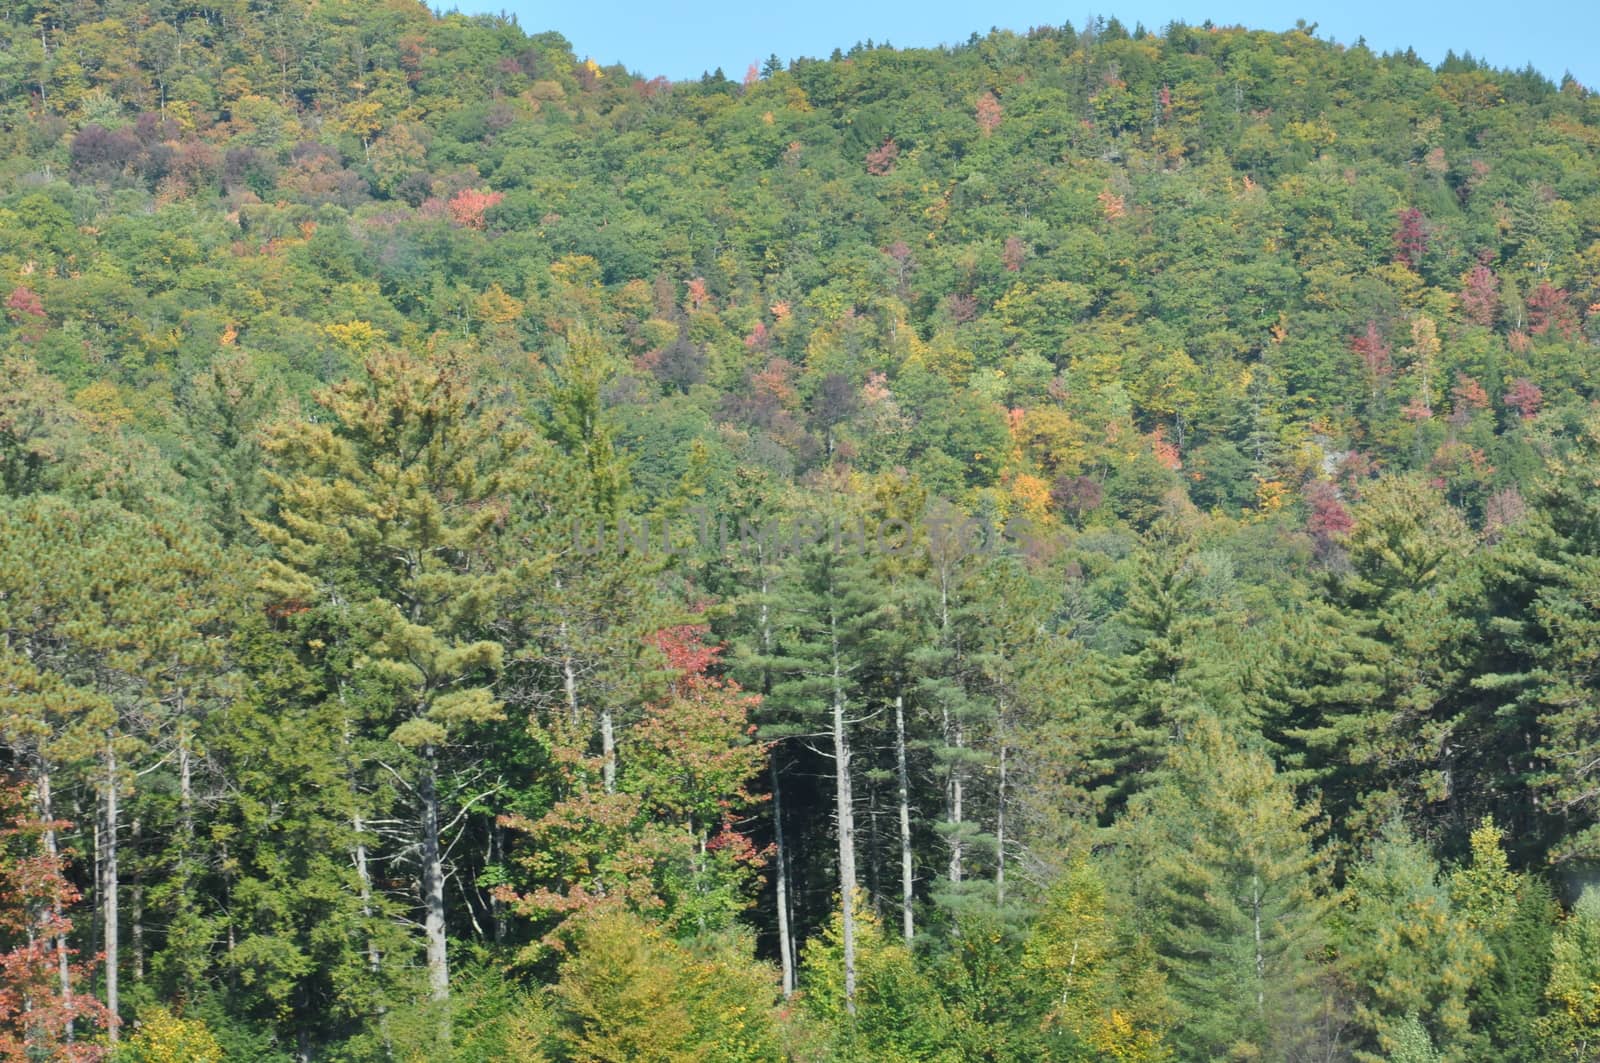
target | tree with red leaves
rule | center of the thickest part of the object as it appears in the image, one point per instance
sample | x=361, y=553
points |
x=23, y=302
x=1466, y=399
x=900, y=254
x=961, y=307
x=1076, y=496
x=1550, y=308
x=1165, y=450
x=1411, y=238
x=1015, y=253
x=1326, y=516
x=881, y=160
x=1480, y=296
x=698, y=294
x=39, y=1012
x=1375, y=355
x=667, y=843
x=1525, y=397
x=26, y=309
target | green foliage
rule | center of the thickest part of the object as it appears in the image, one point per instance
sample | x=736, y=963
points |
x=1236, y=894
x=341, y=342
x=1411, y=954
x=899, y=1014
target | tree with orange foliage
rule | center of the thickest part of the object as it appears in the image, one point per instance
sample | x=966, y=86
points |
x=989, y=113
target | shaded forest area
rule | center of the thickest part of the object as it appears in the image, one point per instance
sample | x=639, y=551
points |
x=1233, y=696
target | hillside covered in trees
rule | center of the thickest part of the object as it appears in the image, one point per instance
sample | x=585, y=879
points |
x=1079, y=546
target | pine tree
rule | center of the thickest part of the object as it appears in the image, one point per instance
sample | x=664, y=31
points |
x=1388, y=725
x=224, y=408
x=1534, y=691
x=827, y=605
x=1236, y=894
x=951, y=686
x=112, y=635
x=390, y=506
x=1157, y=684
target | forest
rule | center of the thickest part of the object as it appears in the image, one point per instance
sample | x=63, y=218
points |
x=1080, y=545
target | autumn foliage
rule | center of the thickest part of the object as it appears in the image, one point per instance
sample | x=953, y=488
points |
x=470, y=206
x=36, y=1014
x=989, y=113
x=667, y=842
x=881, y=160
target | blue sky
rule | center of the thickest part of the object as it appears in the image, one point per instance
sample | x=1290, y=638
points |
x=681, y=40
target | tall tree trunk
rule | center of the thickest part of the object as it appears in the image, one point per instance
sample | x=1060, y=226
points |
x=952, y=736
x=108, y=886
x=433, y=880
x=364, y=884
x=845, y=808
x=185, y=798
x=907, y=919
x=569, y=674
x=781, y=870
x=569, y=679
x=1000, y=830
x=1261, y=956
x=52, y=849
x=956, y=788
x=136, y=904
x=497, y=907
x=358, y=827
x=608, y=751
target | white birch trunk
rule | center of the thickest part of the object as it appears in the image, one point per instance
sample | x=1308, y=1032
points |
x=845, y=808
x=907, y=918
x=108, y=889
x=781, y=870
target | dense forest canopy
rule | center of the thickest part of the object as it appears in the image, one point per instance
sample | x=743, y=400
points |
x=1219, y=678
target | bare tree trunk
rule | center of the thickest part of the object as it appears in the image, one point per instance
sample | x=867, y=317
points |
x=358, y=827
x=608, y=751
x=569, y=674
x=364, y=880
x=108, y=888
x=781, y=870
x=952, y=735
x=845, y=808
x=53, y=851
x=1261, y=956
x=1000, y=830
x=497, y=907
x=136, y=905
x=569, y=679
x=956, y=787
x=907, y=919
x=433, y=880
x=185, y=797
